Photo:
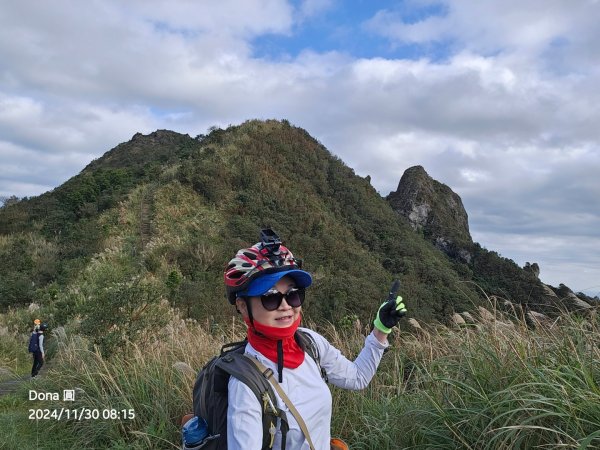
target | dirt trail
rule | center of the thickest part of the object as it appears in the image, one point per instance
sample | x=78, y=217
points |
x=11, y=385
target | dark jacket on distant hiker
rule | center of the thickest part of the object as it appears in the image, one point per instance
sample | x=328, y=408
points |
x=36, y=347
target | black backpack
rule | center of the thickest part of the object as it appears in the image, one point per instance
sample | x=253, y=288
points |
x=210, y=395
x=34, y=342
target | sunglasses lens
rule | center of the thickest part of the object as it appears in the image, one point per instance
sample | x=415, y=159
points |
x=271, y=301
x=295, y=297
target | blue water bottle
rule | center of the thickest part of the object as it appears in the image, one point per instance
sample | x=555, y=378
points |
x=193, y=433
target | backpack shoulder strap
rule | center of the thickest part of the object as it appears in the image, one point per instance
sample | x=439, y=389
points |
x=237, y=365
x=307, y=342
x=238, y=347
x=268, y=374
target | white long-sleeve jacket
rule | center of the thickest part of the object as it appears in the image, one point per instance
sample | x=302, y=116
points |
x=307, y=391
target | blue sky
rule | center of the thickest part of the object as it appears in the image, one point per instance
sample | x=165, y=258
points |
x=497, y=99
x=347, y=30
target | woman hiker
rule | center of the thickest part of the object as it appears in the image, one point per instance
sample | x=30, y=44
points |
x=267, y=286
x=36, y=347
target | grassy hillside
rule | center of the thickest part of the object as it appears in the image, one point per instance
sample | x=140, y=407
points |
x=156, y=219
x=168, y=211
x=47, y=240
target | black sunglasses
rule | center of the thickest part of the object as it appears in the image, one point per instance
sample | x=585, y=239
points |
x=271, y=300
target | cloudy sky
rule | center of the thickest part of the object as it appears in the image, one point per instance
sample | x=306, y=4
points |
x=498, y=99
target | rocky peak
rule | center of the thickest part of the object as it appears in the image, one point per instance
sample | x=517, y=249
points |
x=159, y=146
x=432, y=207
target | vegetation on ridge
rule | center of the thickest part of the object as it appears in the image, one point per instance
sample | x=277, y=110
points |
x=177, y=226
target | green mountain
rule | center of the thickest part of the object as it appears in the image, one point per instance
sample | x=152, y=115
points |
x=158, y=217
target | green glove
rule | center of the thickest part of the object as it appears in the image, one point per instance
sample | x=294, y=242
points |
x=389, y=315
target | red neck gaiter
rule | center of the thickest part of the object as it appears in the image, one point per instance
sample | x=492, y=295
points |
x=264, y=339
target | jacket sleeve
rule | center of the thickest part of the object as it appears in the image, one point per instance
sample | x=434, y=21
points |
x=41, y=343
x=348, y=374
x=244, y=418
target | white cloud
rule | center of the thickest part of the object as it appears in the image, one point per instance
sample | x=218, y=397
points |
x=155, y=51
x=391, y=25
x=311, y=8
x=49, y=143
x=490, y=26
x=229, y=17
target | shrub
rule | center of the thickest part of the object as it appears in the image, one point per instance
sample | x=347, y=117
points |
x=122, y=312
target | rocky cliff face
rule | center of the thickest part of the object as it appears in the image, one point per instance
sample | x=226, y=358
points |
x=436, y=210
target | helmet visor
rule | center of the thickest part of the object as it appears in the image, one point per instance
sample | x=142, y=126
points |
x=263, y=283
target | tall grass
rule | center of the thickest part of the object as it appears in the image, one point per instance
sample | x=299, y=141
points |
x=493, y=384
x=15, y=360
x=153, y=379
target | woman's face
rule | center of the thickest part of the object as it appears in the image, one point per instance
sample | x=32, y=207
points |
x=282, y=317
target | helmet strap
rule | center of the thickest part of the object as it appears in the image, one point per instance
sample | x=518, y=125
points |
x=249, y=309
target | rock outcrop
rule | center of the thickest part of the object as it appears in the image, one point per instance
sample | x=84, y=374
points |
x=436, y=210
x=532, y=268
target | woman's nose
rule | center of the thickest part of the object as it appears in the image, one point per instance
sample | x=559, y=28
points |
x=284, y=304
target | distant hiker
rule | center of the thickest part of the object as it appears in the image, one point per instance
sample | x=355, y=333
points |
x=266, y=284
x=36, y=347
